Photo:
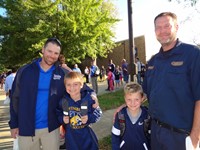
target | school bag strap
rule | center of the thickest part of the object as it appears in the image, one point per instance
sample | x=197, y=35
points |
x=147, y=125
x=122, y=122
x=65, y=106
x=84, y=108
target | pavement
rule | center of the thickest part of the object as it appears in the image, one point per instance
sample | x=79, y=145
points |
x=101, y=128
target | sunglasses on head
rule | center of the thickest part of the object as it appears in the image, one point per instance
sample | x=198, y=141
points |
x=53, y=40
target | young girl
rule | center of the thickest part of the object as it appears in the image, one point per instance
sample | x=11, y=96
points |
x=110, y=78
x=78, y=114
x=130, y=129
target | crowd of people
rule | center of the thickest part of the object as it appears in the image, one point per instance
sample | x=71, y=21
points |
x=47, y=95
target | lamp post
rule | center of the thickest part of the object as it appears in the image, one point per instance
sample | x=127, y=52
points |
x=131, y=41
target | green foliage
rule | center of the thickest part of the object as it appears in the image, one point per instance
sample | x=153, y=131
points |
x=192, y=2
x=83, y=26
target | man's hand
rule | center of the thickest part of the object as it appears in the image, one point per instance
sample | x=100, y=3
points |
x=190, y=145
x=84, y=119
x=14, y=133
x=195, y=140
x=117, y=110
x=94, y=97
x=62, y=132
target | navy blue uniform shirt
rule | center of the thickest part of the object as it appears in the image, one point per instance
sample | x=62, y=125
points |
x=172, y=85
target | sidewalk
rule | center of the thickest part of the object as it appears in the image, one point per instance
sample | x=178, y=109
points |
x=104, y=126
x=101, y=128
x=5, y=139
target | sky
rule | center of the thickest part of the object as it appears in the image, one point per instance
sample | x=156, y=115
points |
x=144, y=12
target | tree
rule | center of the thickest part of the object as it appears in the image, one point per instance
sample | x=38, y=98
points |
x=192, y=2
x=84, y=28
x=192, y=18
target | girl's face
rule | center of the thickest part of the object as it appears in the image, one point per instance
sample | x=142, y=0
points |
x=133, y=100
x=73, y=87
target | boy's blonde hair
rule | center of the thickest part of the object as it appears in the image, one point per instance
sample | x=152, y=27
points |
x=133, y=87
x=74, y=75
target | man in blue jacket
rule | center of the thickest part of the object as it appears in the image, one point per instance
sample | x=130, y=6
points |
x=36, y=91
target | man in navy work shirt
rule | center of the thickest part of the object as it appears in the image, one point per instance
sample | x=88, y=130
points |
x=172, y=85
x=35, y=94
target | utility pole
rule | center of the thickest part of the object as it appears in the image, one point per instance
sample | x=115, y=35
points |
x=131, y=41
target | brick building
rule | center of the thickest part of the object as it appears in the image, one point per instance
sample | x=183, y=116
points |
x=120, y=52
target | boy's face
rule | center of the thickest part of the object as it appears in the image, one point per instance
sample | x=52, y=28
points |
x=133, y=100
x=73, y=87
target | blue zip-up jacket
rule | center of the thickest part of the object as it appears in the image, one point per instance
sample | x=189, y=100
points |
x=24, y=96
x=80, y=136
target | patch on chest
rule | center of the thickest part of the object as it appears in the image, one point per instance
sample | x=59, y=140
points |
x=177, y=63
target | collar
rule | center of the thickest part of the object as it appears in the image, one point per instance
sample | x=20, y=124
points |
x=173, y=51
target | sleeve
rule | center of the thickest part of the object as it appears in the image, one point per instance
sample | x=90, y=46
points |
x=94, y=115
x=59, y=112
x=14, y=100
x=86, y=89
x=6, y=85
x=116, y=134
x=195, y=73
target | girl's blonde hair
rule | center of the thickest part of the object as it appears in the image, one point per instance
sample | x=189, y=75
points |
x=74, y=75
x=133, y=87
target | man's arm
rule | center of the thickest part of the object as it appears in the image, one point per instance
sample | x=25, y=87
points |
x=195, y=132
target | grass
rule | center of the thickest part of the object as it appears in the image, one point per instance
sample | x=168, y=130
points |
x=111, y=100
x=105, y=143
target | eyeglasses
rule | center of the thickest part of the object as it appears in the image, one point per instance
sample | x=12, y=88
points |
x=53, y=40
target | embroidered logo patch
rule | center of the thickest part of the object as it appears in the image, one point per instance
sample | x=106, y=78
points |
x=177, y=63
x=150, y=67
x=56, y=77
x=140, y=123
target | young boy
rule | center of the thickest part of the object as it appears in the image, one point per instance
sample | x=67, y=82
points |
x=78, y=113
x=128, y=130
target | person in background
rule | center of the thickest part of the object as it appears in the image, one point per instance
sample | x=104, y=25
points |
x=8, y=84
x=94, y=75
x=103, y=72
x=128, y=131
x=139, y=68
x=63, y=64
x=172, y=85
x=121, y=76
x=117, y=75
x=2, y=80
x=111, y=67
x=76, y=68
x=125, y=71
x=77, y=113
x=87, y=73
x=143, y=70
x=9, y=81
x=110, y=78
